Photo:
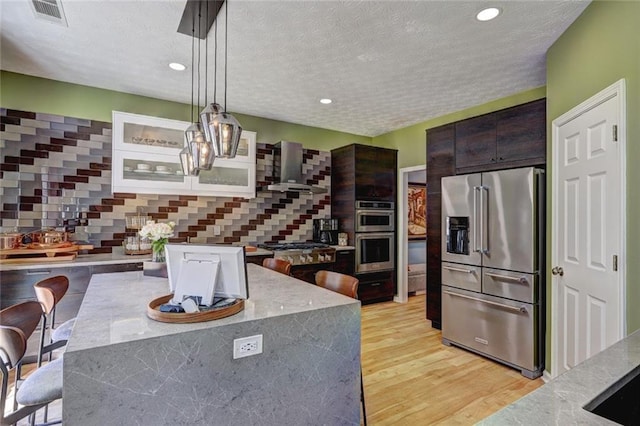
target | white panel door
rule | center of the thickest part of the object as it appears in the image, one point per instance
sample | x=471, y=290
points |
x=587, y=232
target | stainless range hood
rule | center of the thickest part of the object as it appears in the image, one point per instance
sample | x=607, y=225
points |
x=287, y=169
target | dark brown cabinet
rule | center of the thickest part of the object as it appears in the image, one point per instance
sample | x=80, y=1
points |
x=345, y=262
x=513, y=137
x=257, y=259
x=440, y=163
x=363, y=173
x=366, y=172
x=376, y=287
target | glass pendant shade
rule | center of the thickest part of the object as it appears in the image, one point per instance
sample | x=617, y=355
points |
x=186, y=161
x=222, y=129
x=201, y=150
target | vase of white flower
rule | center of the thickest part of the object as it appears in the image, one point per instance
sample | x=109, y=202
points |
x=158, y=234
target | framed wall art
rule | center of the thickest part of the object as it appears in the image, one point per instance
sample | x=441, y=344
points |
x=417, y=210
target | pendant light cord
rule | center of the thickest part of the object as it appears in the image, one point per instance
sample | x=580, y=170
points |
x=206, y=62
x=193, y=42
x=215, y=60
x=199, y=42
x=226, y=32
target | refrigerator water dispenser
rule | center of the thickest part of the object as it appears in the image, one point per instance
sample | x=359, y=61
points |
x=458, y=234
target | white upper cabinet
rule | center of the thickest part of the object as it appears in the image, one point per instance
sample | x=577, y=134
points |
x=146, y=160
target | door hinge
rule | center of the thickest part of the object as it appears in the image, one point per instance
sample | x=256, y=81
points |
x=615, y=133
x=615, y=262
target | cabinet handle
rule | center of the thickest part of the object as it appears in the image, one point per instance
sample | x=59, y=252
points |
x=501, y=158
x=376, y=284
x=38, y=272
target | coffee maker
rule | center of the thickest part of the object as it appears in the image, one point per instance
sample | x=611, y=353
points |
x=325, y=231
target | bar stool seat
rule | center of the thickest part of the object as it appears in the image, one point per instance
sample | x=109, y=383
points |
x=40, y=388
x=63, y=331
x=43, y=385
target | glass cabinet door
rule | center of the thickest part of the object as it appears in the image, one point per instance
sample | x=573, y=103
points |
x=228, y=177
x=148, y=173
x=132, y=132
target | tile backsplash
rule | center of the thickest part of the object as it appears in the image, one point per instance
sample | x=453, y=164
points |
x=56, y=171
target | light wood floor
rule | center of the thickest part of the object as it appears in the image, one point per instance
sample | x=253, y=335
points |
x=411, y=378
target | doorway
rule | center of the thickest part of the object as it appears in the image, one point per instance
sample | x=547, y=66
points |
x=410, y=250
x=588, y=228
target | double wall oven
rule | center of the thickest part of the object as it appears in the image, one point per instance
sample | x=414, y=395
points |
x=375, y=236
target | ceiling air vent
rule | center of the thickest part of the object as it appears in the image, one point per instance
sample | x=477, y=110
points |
x=49, y=10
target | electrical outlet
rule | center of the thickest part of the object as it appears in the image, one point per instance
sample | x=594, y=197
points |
x=247, y=346
x=216, y=230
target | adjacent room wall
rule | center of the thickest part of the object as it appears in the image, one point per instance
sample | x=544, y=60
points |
x=601, y=47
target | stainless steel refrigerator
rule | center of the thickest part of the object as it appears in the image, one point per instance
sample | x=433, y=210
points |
x=492, y=266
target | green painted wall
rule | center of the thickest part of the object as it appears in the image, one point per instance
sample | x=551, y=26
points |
x=22, y=92
x=410, y=141
x=601, y=47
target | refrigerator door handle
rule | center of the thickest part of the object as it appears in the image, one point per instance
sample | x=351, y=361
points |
x=477, y=245
x=451, y=268
x=521, y=280
x=484, y=203
x=521, y=309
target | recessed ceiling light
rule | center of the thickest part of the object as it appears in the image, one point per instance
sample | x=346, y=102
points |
x=488, y=14
x=177, y=66
x=325, y=101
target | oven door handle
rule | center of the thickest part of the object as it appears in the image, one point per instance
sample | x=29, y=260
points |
x=521, y=309
x=521, y=280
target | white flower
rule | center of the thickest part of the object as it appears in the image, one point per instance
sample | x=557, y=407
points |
x=157, y=231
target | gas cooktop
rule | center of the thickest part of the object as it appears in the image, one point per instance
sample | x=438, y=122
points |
x=302, y=253
x=292, y=246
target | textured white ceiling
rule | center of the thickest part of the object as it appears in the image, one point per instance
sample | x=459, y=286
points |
x=385, y=64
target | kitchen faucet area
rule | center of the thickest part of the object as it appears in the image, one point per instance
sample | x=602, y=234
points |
x=320, y=213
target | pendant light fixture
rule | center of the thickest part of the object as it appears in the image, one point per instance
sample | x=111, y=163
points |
x=221, y=128
x=198, y=154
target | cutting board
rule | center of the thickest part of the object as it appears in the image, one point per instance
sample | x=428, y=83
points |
x=35, y=253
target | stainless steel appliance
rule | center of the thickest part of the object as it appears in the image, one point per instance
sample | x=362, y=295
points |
x=287, y=169
x=375, y=251
x=302, y=253
x=325, y=231
x=492, y=263
x=375, y=216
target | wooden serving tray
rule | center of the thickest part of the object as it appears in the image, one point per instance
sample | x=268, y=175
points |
x=153, y=312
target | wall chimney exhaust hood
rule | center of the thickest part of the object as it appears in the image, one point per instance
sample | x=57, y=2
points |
x=287, y=169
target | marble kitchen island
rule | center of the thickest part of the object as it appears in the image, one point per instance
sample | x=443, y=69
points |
x=122, y=368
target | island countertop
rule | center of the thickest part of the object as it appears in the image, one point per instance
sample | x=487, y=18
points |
x=121, y=367
x=115, y=305
x=561, y=401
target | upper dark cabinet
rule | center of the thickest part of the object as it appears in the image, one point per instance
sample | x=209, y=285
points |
x=476, y=141
x=440, y=155
x=513, y=137
x=521, y=132
x=369, y=171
